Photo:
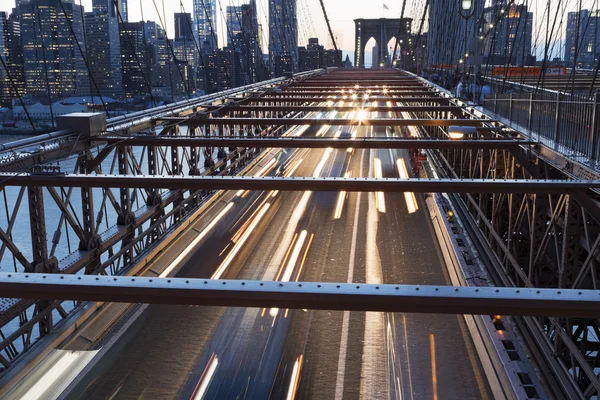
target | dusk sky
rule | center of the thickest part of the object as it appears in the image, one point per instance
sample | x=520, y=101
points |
x=341, y=13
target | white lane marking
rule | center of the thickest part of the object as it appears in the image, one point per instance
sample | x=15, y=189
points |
x=407, y=357
x=339, y=382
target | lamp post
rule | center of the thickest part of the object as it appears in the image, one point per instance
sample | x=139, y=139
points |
x=466, y=11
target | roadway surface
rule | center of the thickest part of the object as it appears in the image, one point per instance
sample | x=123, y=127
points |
x=214, y=353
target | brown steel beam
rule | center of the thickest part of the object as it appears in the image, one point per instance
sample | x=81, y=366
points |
x=300, y=183
x=432, y=98
x=336, y=108
x=372, y=95
x=328, y=121
x=305, y=295
x=286, y=142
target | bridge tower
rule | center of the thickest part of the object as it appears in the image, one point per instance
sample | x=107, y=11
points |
x=380, y=29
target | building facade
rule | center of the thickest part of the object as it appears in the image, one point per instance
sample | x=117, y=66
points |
x=11, y=51
x=205, y=21
x=183, y=26
x=135, y=59
x=510, y=40
x=582, y=45
x=446, y=37
x=104, y=50
x=283, y=36
x=54, y=65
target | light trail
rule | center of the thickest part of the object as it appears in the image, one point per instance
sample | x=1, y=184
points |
x=312, y=236
x=261, y=172
x=63, y=370
x=206, y=378
x=433, y=366
x=411, y=200
x=295, y=379
x=195, y=242
x=219, y=272
x=339, y=206
x=379, y=196
x=294, y=256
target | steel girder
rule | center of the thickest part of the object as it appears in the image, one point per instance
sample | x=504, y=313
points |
x=328, y=121
x=314, y=108
x=285, y=142
x=316, y=99
x=302, y=183
x=307, y=295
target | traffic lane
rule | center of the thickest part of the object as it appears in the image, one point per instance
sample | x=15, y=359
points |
x=317, y=335
x=412, y=256
x=259, y=343
x=130, y=371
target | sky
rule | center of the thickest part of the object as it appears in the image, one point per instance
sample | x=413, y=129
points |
x=341, y=14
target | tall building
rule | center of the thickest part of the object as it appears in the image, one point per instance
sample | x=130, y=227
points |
x=135, y=60
x=583, y=25
x=243, y=34
x=234, y=25
x=205, y=20
x=104, y=49
x=183, y=26
x=446, y=31
x=283, y=36
x=314, y=56
x=510, y=41
x=11, y=51
x=53, y=63
x=108, y=7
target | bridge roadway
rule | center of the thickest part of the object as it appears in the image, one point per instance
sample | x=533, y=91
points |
x=193, y=352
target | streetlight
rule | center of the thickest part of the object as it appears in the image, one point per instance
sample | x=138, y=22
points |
x=458, y=132
x=466, y=11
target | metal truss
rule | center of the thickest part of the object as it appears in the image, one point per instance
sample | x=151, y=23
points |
x=547, y=240
x=84, y=230
x=307, y=295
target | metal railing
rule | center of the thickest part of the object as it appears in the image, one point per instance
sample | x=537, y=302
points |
x=564, y=120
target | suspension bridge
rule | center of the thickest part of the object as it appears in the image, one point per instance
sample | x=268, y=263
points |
x=332, y=233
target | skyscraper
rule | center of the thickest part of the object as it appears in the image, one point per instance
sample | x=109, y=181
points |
x=205, y=22
x=135, y=61
x=183, y=26
x=104, y=49
x=283, y=36
x=243, y=35
x=108, y=7
x=234, y=24
x=583, y=24
x=510, y=42
x=446, y=31
x=11, y=52
x=53, y=63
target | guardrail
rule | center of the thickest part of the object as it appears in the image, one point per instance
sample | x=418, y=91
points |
x=566, y=120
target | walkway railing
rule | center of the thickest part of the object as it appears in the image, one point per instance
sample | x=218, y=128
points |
x=569, y=121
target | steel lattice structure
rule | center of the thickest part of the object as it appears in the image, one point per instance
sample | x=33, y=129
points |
x=533, y=214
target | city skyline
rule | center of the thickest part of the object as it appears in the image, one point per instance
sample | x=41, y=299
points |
x=341, y=17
